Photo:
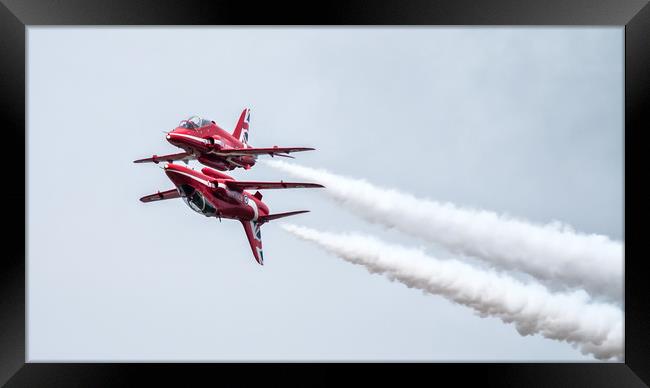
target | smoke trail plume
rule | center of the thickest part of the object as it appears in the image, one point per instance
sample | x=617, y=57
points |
x=594, y=328
x=553, y=253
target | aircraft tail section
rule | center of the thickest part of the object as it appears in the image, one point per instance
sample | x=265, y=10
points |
x=254, y=232
x=254, y=235
x=241, y=129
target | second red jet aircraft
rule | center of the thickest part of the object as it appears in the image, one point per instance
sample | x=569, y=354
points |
x=215, y=194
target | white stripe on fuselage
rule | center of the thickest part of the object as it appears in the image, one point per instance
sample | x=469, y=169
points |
x=207, y=183
x=202, y=140
x=253, y=204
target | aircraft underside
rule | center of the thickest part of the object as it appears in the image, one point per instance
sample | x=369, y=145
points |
x=227, y=163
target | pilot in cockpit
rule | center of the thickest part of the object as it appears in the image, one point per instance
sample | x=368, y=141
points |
x=194, y=122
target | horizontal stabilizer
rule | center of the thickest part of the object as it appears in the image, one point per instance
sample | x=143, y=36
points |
x=272, y=217
x=238, y=185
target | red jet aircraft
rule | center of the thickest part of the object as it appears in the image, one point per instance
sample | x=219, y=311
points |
x=212, y=146
x=215, y=194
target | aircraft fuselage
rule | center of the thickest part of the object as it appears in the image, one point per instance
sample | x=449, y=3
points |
x=205, y=142
x=208, y=195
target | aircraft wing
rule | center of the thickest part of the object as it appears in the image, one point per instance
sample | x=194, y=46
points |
x=240, y=185
x=254, y=235
x=279, y=151
x=184, y=156
x=161, y=195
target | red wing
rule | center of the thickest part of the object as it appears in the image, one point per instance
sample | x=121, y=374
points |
x=254, y=235
x=261, y=151
x=238, y=185
x=166, y=158
x=161, y=195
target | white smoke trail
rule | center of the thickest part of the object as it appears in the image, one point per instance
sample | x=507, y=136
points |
x=553, y=253
x=595, y=328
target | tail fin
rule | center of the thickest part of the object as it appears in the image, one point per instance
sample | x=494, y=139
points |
x=241, y=129
x=272, y=217
x=254, y=232
x=254, y=235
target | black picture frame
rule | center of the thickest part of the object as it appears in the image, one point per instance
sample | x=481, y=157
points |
x=16, y=15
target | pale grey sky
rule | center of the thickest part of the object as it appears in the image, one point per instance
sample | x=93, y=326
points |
x=525, y=121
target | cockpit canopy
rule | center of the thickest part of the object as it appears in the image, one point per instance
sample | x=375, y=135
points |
x=194, y=122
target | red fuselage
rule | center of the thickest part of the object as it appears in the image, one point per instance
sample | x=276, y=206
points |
x=208, y=139
x=212, y=146
x=206, y=193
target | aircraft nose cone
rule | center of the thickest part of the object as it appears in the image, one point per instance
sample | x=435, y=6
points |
x=172, y=138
